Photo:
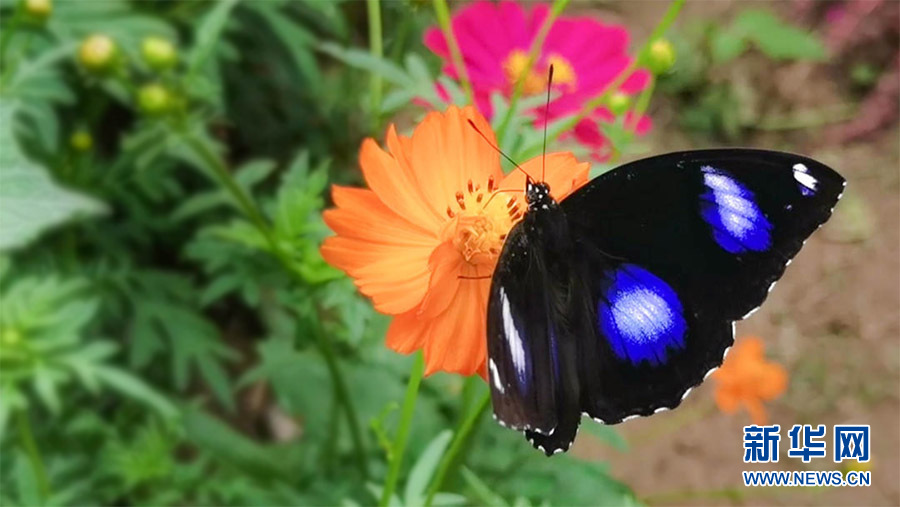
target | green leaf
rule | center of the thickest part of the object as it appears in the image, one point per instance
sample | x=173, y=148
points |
x=208, y=33
x=291, y=373
x=779, y=40
x=364, y=60
x=483, y=492
x=30, y=202
x=726, y=45
x=228, y=445
x=376, y=489
x=72, y=21
x=421, y=473
x=448, y=499
x=45, y=382
x=26, y=483
x=143, y=459
x=133, y=387
x=297, y=40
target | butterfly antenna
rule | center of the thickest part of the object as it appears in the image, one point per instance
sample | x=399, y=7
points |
x=546, y=119
x=494, y=146
x=499, y=191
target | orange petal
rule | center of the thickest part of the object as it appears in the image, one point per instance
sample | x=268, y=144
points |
x=400, y=147
x=395, y=187
x=447, y=152
x=727, y=401
x=407, y=332
x=563, y=173
x=457, y=342
x=360, y=214
x=750, y=347
x=394, y=276
x=445, y=265
x=774, y=381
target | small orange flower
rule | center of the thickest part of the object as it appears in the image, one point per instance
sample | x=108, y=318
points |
x=747, y=378
x=429, y=219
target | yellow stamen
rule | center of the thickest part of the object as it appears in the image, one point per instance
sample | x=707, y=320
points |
x=478, y=225
x=536, y=80
x=563, y=73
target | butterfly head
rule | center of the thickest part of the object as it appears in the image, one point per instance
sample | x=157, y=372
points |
x=537, y=194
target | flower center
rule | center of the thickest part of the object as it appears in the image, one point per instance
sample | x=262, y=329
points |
x=536, y=81
x=479, y=222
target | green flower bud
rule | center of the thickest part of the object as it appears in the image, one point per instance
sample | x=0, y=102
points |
x=38, y=10
x=97, y=53
x=158, y=53
x=81, y=140
x=660, y=56
x=618, y=103
x=153, y=99
x=10, y=336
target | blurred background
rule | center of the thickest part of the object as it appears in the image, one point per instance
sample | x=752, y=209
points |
x=170, y=335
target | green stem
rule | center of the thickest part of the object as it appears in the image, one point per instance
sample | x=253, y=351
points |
x=663, y=25
x=377, y=50
x=223, y=175
x=244, y=201
x=34, y=455
x=462, y=435
x=640, y=107
x=395, y=457
x=442, y=12
x=10, y=30
x=533, y=53
x=642, y=103
x=249, y=208
x=343, y=395
x=328, y=449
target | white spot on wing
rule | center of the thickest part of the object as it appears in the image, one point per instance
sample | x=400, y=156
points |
x=495, y=376
x=516, y=349
x=801, y=174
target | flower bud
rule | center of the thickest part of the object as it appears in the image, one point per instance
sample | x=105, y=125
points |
x=10, y=336
x=660, y=56
x=81, y=140
x=158, y=53
x=38, y=10
x=153, y=99
x=97, y=53
x=618, y=103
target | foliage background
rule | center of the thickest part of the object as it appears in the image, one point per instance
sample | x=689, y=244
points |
x=168, y=337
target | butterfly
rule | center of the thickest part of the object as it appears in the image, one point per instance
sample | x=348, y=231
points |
x=615, y=302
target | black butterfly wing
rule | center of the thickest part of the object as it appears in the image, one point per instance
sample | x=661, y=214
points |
x=519, y=360
x=676, y=248
x=724, y=223
x=532, y=367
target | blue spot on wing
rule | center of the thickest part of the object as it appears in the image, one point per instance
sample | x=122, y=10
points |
x=640, y=315
x=738, y=225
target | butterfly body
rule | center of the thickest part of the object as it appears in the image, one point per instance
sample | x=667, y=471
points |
x=618, y=300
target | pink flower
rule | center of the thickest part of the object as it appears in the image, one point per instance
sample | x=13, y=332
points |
x=494, y=39
x=587, y=132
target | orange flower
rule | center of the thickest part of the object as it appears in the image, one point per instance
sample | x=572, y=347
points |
x=429, y=219
x=747, y=378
